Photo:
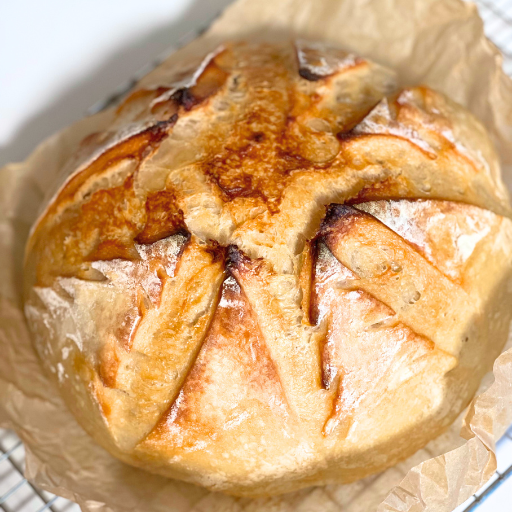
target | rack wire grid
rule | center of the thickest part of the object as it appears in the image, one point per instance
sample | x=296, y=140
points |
x=17, y=494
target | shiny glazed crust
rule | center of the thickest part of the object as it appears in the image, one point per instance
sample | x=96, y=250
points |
x=275, y=270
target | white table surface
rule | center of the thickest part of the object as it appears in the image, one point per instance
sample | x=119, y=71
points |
x=59, y=57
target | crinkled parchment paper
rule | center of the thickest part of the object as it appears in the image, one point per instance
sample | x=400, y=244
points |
x=436, y=42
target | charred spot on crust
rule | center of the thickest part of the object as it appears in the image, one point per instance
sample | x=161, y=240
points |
x=184, y=98
x=258, y=137
x=338, y=217
x=316, y=62
x=237, y=261
x=208, y=84
x=234, y=257
x=309, y=75
x=173, y=120
x=216, y=251
x=290, y=119
x=185, y=236
x=141, y=95
x=346, y=136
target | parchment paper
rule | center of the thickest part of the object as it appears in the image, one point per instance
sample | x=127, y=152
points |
x=436, y=42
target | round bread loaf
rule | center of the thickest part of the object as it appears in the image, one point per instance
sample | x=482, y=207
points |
x=274, y=270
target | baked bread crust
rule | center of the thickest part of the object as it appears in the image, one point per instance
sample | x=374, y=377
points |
x=276, y=270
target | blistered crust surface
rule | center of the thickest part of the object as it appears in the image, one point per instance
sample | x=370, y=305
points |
x=273, y=272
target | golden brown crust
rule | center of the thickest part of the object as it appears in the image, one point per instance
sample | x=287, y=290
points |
x=274, y=272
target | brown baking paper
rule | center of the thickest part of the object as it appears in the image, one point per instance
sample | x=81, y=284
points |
x=436, y=42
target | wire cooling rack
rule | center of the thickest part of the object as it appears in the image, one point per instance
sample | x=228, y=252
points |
x=17, y=494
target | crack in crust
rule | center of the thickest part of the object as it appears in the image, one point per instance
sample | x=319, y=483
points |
x=279, y=266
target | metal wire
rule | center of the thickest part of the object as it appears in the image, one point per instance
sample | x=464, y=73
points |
x=482, y=497
x=12, y=490
x=15, y=467
x=49, y=504
x=8, y=453
x=497, y=16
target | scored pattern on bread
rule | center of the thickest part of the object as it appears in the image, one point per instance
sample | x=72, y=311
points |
x=271, y=272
